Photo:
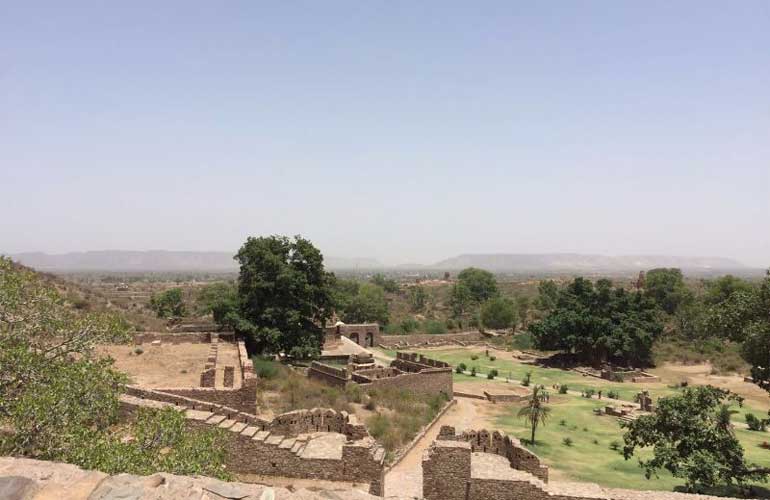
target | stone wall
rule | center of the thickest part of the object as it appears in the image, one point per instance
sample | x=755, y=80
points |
x=364, y=334
x=173, y=338
x=498, y=443
x=429, y=382
x=330, y=375
x=416, y=339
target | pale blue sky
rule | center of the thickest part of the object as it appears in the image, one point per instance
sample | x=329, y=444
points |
x=406, y=131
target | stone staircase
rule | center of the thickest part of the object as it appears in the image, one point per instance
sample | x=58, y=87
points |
x=311, y=445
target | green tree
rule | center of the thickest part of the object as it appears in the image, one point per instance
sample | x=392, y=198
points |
x=481, y=284
x=284, y=295
x=368, y=305
x=417, y=298
x=388, y=284
x=58, y=401
x=756, y=332
x=600, y=323
x=168, y=304
x=690, y=436
x=547, y=295
x=666, y=287
x=498, y=313
x=536, y=412
x=720, y=289
x=211, y=297
x=460, y=300
x=522, y=310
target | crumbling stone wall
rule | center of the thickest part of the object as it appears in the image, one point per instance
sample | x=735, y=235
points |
x=364, y=334
x=416, y=339
x=498, y=443
x=429, y=382
x=331, y=375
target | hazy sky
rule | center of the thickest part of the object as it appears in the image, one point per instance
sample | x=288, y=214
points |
x=406, y=131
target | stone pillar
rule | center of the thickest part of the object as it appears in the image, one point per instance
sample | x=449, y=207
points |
x=446, y=470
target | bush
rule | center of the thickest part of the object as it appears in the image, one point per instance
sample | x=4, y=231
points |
x=460, y=368
x=409, y=325
x=589, y=393
x=567, y=441
x=755, y=424
x=492, y=358
x=613, y=394
x=474, y=357
x=265, y=367
x=615, y=445
x=371, y=404
x=473, y=371
x=523, y=341
x=450, y=324
x=433, y=327
x=527, y=379
x=492, y=374
x=138, y=351
x=563, y=389
x=563, y=423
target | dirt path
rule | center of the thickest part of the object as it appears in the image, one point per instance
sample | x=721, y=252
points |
x=405, y=479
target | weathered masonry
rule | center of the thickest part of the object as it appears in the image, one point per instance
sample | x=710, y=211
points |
x=409, y=371
x=365, y=334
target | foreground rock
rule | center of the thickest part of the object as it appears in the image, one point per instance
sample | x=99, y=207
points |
x=24, y=479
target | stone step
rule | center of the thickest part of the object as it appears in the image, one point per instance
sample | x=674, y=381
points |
x=216, y=419
x=249, y=431
x=274, y=439
x=298, y=447
x=226, y=424
x=261, y=435
x=379, y=454
x=238, y=427
x=287, y=443
x=200, y=415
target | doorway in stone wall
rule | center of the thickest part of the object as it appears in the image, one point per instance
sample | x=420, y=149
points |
x=369, y=339
x=354, y=338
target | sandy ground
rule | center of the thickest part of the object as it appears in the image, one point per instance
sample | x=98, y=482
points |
x=478, y=388
x=701, y=375
x=165, y=365
x=405, y=479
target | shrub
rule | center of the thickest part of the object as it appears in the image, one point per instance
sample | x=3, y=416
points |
x=523, y=341
x=450, y=324
x=615, y=445
x=461, y=368
x=613, y=394
x=138, y=351
x=434, y=327
x=527, y=379
x=595, y=441
x=492, y=358
x=765, y=445
x=409, y=325
x=589, y=393
x=265, y=367
x=563, y=423
x=563, y=389
x=371, y=404
x=474, y=357
x=567, y=441
x=755, y=424
x=473, y=371
x=492, y=374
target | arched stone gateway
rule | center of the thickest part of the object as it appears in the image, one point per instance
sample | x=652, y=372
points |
x=369, y=339
x=354, y=338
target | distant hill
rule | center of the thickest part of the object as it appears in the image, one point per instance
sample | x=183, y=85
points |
x=156, y=261
x=570, y=262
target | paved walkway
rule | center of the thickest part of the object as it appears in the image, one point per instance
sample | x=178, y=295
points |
x=405, y=479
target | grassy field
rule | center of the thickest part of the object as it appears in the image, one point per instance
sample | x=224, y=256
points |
x=589, y=458
x=516, y=371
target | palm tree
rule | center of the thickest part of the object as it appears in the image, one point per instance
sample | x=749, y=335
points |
x=536, y=412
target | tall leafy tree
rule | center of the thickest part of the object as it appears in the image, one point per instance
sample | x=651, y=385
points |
x=284, y=295
x=498, y=312
x=756, y=334
x=481, y=284
x=417, y=298
x=168, y=304
x=367, y=305
x=690, y=436
x=600, y=323
x=667, y=288
x=547, y=295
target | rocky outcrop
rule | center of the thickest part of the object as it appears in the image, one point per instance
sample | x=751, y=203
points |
x=24, y=479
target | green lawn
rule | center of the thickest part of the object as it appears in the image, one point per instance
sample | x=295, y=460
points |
x=590, y=458
x=545, y=376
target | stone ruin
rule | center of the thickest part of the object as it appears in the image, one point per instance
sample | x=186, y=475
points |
x=409, y=371
x=363, y=334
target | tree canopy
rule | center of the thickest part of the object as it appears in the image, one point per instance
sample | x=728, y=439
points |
x=481, y=284
x=168, y=304
x=498, y=313
x=367, y=305
x=284, y=295
x=667, y=288
x=691, y=437
x=58, y=401
x=756, y=334
x=600, y=323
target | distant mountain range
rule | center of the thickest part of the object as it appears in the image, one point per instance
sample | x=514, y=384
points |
x=173, y=261
x=156, y=261
x=584, y=262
